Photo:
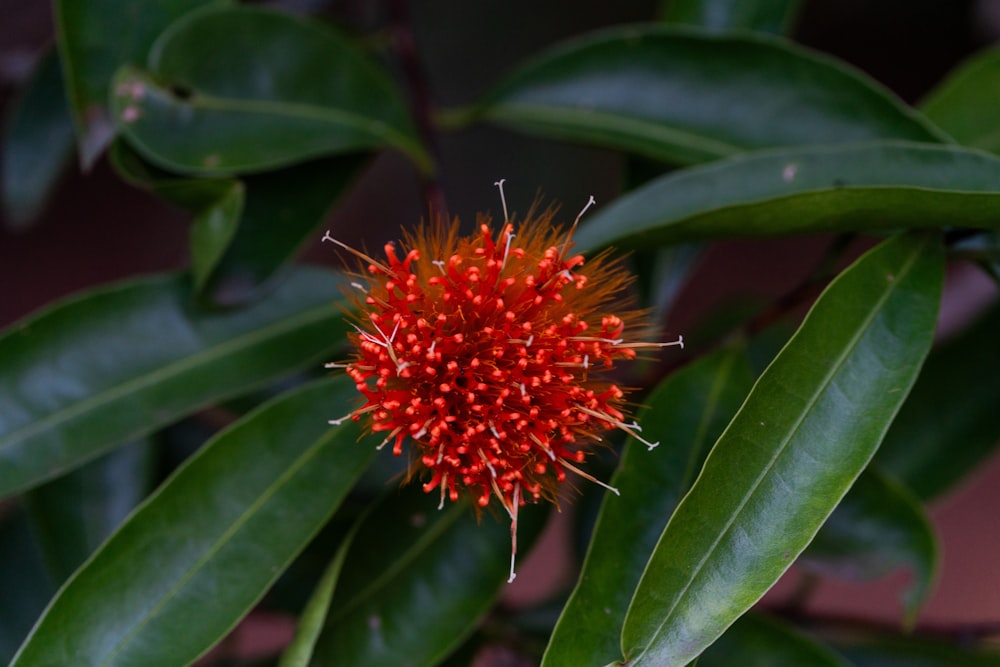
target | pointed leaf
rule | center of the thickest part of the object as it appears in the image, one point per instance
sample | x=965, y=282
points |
x=115, y=363
x=686, y=413
x=774, y=16
x=949, y=423
x=246, y=230
x=684, y=97
x=206, y=546
x=95, y=39
x=417, y=581
x=965, y=104
x=299, y=653
x=892, y=185
x=74, y=514
x=805, y=432
x=239, y=89
x=759, y=641
x=212, y=231
x=878, y=526
x=37, y=143
x=281, y=213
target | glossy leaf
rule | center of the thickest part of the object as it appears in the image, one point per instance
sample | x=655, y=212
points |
x=206, y=546
x=892, y=185
x=805, y=432
x=884, y=650
x=113, y=364
x=759, y=641
x=37, y=143
x=283, y=211
x=26, y=585
x=965, y=104
x=241, y=89
x=684, y=97
x=878, y=526
x=686, y=413
x=95, y=39
x=774, y=16
x=949, y=423
x=417, y=580
x=74, y=514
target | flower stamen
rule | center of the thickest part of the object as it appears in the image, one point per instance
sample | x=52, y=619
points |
x=480, y=376
x=356, y=253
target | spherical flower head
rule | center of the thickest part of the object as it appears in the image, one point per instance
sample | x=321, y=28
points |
x=490, y=355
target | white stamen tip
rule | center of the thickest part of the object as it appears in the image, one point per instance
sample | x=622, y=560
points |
x=590, y=202
x=503, y=200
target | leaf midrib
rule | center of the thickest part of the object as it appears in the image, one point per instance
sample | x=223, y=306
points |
x=303, y=111
x=172, y=370
x=667, y=135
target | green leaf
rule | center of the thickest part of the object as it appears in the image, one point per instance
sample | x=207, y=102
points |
x=878, y=527
x=212, y=231
x=684, y=97
x=948, y=425
x=241, y=89
x=205, y=547
x=74, y=514
x=188, y=192
x=246, y=230
x=281, y=213
x=686, y=413
x=25, y=584
x=805, y=432
x=885, y=650
x=759, y=641
x=965, y=104
x=417, y=580
x=299, y=653
x=884, y=185
x=37, y=143
x=95, y=39
x=717, y=16
x=110, y=365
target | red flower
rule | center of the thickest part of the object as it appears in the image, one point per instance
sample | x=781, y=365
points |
x=490, y=355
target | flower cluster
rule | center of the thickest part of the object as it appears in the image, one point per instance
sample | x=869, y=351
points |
x=490, y=354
